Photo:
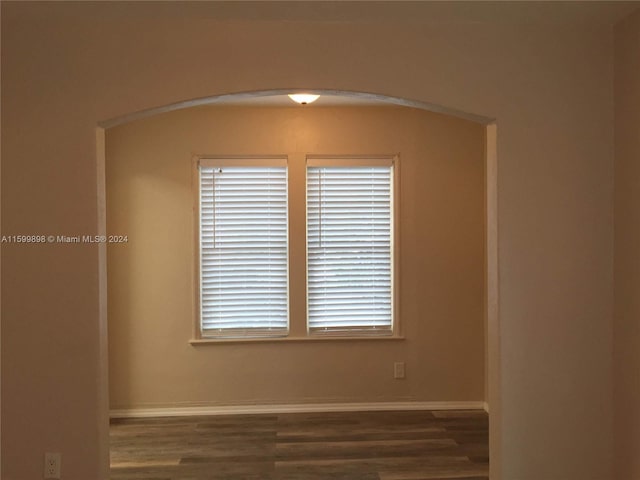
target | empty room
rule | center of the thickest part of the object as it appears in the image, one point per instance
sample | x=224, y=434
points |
x=317, y=268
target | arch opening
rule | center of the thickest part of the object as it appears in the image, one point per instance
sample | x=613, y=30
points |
x=491, y=344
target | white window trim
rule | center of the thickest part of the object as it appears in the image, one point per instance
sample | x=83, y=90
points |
x=393, y=161
x=229, y=161
x=261, y=160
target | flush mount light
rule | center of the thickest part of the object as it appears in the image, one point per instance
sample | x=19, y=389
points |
x=303, y=98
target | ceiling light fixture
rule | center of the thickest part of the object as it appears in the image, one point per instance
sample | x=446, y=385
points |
x=303, y=98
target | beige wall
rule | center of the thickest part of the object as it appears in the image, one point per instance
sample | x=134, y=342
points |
x=441, y=228
x=544, y=71
x=627, y=249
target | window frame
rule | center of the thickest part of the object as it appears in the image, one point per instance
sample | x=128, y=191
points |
x=393, y=161
x=232, y=161
x=297, y=330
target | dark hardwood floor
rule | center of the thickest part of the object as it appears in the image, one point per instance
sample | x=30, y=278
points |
x=415, y=445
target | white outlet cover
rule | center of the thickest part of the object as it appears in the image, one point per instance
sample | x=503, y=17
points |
x=52, y=465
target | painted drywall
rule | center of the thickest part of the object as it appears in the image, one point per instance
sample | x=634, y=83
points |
x=547, y=78
x=627, y=249
x=150, y=199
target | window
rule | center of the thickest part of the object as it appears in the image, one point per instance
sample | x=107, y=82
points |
x=350, y=246
x=248, y=224
x=243, y=248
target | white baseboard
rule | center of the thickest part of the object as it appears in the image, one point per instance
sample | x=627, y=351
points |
x=293, y=408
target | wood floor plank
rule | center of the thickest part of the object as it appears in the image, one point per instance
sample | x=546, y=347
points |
x=374, y=463
x=428, y=472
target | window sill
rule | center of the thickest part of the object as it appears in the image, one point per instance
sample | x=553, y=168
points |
x=319, y=338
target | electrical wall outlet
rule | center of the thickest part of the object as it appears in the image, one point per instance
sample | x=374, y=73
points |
x=398, y=370
x=52, y=465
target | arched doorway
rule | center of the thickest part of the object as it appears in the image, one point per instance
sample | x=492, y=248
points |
x=491, y=258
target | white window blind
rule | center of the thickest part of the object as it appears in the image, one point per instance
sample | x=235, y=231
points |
x=349, y=235
x=243, y=249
